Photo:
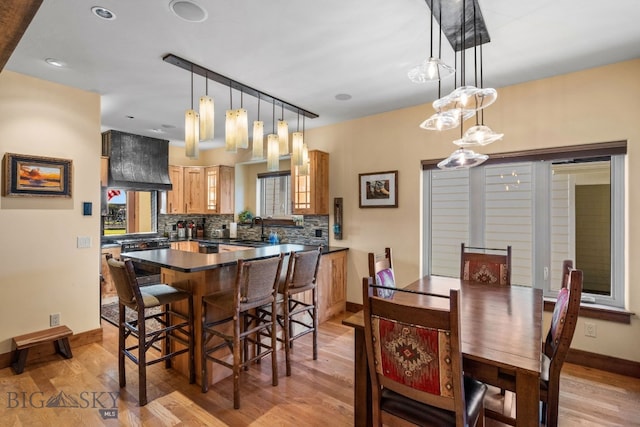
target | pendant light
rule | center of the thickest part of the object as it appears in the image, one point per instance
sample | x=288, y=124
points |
x=206, y=112
x=304, y=169
x=273, y=145
x=258, y=137
x=191, y=129
x=431, y=69
x=283, y=134
x=242, y=125
x=230, y=126
x=479, y=134
x=297, y=143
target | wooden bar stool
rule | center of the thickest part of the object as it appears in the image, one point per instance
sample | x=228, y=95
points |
x=255, y=285
x=138, y=299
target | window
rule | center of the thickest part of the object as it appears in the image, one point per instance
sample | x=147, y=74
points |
x=129, y=212
x=274, y=190
x=548, y=211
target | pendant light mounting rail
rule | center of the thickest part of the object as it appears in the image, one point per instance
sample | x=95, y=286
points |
x=448, y=15
x=226, y=81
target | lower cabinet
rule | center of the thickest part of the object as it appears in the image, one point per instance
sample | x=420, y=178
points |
x=332, y=285
x=107, y=288
x=187, y=245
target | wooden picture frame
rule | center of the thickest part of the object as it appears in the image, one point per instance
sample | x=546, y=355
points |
x=378, y=189
x=27, y=176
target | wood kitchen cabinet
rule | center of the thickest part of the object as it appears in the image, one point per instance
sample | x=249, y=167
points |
x=108, y=289
x=194, y=189
x=332, y=285
x=186, y=245
x=220, y=189
x=311, y=192
x=201, y=190
x=104, y=171
x=175, y=197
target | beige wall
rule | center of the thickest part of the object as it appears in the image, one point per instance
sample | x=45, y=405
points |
x=42, y=270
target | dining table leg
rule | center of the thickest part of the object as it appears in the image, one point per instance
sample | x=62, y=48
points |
x=362, y=383
x=527, y=399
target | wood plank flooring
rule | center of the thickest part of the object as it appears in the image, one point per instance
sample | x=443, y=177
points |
x=84, y=391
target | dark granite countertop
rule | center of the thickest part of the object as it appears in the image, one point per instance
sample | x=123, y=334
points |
x=189, y=262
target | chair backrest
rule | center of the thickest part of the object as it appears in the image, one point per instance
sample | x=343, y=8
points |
x=563, y=322
x=567, y=265
x=256, y=282
x=409, y=346
x=485, y=265
x=124, y=279
x=381, y=269
x=302, y=270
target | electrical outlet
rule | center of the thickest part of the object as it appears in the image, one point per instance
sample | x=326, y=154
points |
x=54, y=319
x=590, y=329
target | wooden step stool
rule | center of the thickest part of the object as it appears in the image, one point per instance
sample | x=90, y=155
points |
x=59, y=335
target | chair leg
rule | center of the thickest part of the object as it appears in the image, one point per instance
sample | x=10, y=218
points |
x=192, y=345
x=287, y=325
x=142, y=359
x=315, y=322
x=167, y=341
x=121, y=344
x=236, y=362
x=274, y=343
x=203, y=349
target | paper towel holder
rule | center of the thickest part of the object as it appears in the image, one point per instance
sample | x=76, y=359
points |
x=337, y=218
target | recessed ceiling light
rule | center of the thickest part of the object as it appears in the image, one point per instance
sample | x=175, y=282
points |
x=129, y=117
x=157, y=130
x=103, y=13
x=168, y=126
x=343, y=97
x=55, y=62
x=188, y=10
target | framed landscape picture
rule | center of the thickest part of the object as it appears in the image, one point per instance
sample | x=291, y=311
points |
x=25, y=175
x=378, y=189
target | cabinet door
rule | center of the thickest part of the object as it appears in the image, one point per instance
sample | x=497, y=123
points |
x=175, y=197
x=220, y=189
x=194, y=190
x=332, y=285
x=311, y=192
x=108, y=288
x=104, y=171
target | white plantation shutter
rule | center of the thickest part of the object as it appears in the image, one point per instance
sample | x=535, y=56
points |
x=509, y=216
x=449, y=220
x=562, y=227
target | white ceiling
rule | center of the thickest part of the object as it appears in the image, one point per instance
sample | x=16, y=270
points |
x=304, y=52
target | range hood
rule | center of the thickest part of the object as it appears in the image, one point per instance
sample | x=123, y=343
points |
x=136, y=162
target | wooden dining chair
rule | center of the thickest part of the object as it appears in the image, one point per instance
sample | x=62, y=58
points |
x=381, y=269
x=415, y=352
x=557, y=343
x=174, y=325
x=485, y=265
x=228, y=321
x=567, y=265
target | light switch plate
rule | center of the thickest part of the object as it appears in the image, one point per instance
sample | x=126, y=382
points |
x=84, y=242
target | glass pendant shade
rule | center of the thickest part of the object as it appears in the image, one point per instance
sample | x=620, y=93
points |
x=303, y=170
x=191, y=134
x=230, y=131
x=296, y=148
x=431, y=70
x=442, y=120
x=258, y=140
x=242, y=128
x=206, y=113
x=462, y=159
x=273, y=152
x=283, y=137
x=478, y=135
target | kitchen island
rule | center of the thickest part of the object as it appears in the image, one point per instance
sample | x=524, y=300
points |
x=203, y=274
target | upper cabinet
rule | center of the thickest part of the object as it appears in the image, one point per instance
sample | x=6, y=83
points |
x=194, y=190
x=311, y=192
x=220, y=189
x=104, y=171
x=201, y=190
x=175, y=198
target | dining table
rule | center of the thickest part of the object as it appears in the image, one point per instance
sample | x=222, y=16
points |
x=501, y=334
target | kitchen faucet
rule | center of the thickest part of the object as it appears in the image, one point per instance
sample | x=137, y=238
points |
x=253, y=222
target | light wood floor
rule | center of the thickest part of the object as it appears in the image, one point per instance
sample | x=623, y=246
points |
x=319, y=393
